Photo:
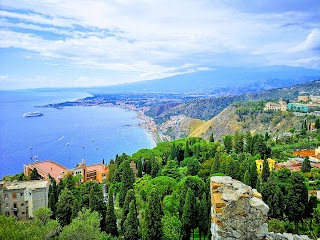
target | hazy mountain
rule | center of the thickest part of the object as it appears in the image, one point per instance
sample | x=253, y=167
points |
x=222, y=81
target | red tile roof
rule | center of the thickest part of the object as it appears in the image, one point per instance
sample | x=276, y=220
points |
x=54, y=169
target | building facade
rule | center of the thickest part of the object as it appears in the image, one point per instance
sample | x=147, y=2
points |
x=259, y=164
x=281, y=106
x=21, y=199
x=300, y=107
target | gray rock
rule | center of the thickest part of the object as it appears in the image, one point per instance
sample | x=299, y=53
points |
x=229, y=194
x=260, y=205
x=236, y=234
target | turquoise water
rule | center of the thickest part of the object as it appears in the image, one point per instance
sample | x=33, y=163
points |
x=65, y=135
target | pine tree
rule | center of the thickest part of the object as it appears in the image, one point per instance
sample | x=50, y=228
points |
x=111, y=220
x=131, y=224
x=306, y=165
x=130, y=196
x=96, y=203
x=76, y=208
x=265, y=171
x=34, y=175
x=317, y=123
x=139, y=167
x=64, y=207
x=127, y=180
x=188, y=215
x=153, y=216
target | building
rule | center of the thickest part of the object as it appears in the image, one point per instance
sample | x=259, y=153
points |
x=306, y=98
x=281, y=106
x=259, y=164
x=22, y=199
x=45, y=169
x=96, y=172
x=303, y=98
x=313, y=154
x=300, y=107
x=315, y=99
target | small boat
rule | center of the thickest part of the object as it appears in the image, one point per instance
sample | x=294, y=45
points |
x=92, y=139
x=32, y=114
x=30, y=147
x=97, y=147
x=67, y=144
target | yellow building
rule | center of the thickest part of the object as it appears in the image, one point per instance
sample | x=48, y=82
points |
x=271, y=164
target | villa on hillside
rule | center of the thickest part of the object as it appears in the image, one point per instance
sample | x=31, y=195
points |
x=313, y=154
x=21, y=199
x=95, y=172
x=301, y=107
x=259, y=164
x=280, y=106
x=307, y=98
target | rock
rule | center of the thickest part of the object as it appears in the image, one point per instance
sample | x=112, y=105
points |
x=262, y=231
x=229, y=195
x=260, y=205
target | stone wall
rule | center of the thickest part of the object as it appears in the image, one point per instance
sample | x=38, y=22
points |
x=238, y=212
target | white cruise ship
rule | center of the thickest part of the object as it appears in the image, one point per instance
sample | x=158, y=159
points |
x=32, y=114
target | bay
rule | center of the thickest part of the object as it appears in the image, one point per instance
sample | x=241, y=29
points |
x=66, y=135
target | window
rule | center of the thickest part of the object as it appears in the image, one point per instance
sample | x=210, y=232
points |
x=23, y=213
x=22, y=204
x=7, y=205
x=14, y=195
x=6, y=196
x=21, y=194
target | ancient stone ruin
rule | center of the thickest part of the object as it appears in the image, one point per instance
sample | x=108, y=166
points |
x=238, y=212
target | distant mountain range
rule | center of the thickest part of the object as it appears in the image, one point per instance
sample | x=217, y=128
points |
x=222, y=81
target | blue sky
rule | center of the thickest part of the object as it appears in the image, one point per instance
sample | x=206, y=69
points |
x=74, y=43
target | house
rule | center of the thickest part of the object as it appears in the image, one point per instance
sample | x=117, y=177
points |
x=96, y=172
x=282, y=106
x=313, y=154
x=45, y=168
x=301, y=107
x=21, y=199
x=259, y=164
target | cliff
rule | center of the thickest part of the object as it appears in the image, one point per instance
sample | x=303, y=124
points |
x=238, y=212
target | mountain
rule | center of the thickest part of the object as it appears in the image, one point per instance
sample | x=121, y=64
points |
x=221, y=81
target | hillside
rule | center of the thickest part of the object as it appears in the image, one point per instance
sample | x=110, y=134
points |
x=245, y=117
x=207, y=108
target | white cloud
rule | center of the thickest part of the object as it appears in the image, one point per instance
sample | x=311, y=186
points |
x=158, y=38
x=4, y=77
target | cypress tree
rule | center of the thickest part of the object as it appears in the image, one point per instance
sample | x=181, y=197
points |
x=64, y=207
x=253, y=174
x=317, y=123
x=111, y=220
x=188, y=215
x=187, y=150
x=76, y=207
x=131, y=224
x=96, y=203
x=153, y=216
x=53, y=197
x=211, y=139
x=139, y=167
x=298, y=198
x=129, y=197
x=127, y=180
x=265, y=170
x=246, y=178
x=203, y=215
x=306, y=165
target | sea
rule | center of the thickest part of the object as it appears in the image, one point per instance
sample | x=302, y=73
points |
x=67, y=136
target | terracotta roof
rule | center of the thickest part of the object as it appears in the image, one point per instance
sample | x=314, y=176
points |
x=98, y=167
x=52, y=168
x=305, y=153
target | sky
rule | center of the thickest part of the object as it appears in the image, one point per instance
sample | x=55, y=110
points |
x=76, y=43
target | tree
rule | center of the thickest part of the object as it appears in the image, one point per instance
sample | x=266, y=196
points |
x=265, y=170
x=211, y=139
x=253, y=174
x=96, y=202
x=64, y=207
x=34, y=175
x=298, y=197
x=84, y=227
x=127, y=180
x=246, y=178
x=111, y=220
x=139, y=167
x=188, y=216
x=76, y=208
x=227, y=141
x=306, y=165
x=203, y=215
x=153, y=216
x=317, y=123
x=238, y=144
x=53, y=197
x=130, y=196
x=171, y=227
x=187, y=150
x=193, y=167
x=131, y=224
x=43, y=215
